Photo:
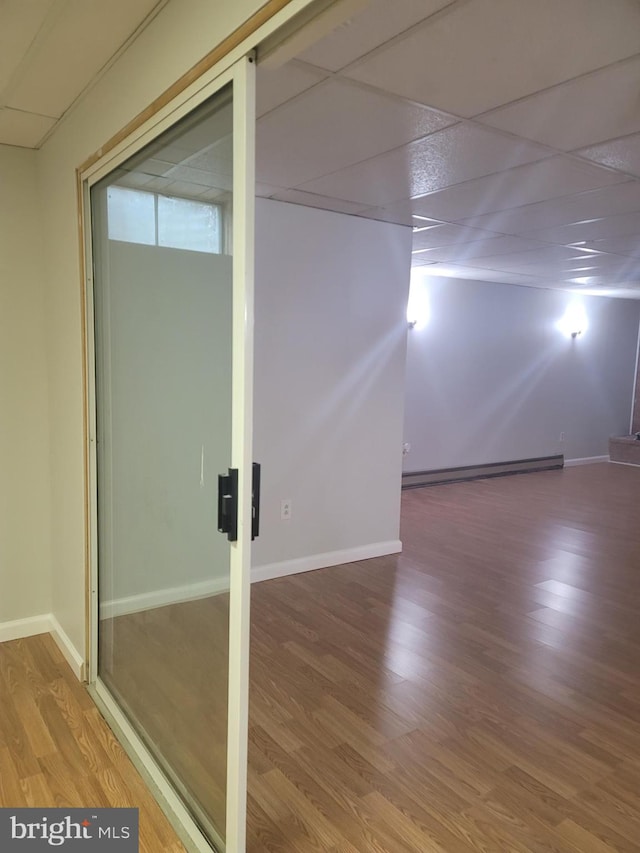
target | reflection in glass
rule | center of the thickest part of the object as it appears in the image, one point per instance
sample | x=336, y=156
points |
x=185, y=224
x=131, y=216
x=163, y=302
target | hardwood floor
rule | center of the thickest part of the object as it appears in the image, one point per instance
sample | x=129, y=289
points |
x=169, y=669
x=479, y=692
x=56, y=749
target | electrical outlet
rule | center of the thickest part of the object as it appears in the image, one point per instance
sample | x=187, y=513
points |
x=285, y=509
x=561, y=436
x=406, y=448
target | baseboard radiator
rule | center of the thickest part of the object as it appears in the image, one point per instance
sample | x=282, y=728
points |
x=419, y=479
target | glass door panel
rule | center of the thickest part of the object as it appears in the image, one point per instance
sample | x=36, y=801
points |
x=163, y=304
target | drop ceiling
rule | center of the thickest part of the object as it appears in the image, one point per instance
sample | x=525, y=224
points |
x=505, y=132
x=51, y=50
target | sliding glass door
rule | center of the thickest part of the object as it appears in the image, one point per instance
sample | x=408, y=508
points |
x=171, y=242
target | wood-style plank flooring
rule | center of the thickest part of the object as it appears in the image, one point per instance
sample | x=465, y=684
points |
x=479, y=692
x=57, y=750
x=168, y=667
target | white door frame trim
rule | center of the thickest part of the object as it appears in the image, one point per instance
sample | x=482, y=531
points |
x=242, y=75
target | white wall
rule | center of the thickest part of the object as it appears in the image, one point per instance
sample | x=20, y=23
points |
x=165, y=427
x=177, y=38
x=330, y=346
x=490, y=378
x=25, y=532
x=330, y=357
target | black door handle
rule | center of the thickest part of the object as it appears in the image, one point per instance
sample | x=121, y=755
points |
x=228, y=504
x=255, y=500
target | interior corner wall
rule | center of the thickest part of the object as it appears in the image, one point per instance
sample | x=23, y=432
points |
x=181, y=34
x=25, y=525
x=330, y=348
x=490, y=378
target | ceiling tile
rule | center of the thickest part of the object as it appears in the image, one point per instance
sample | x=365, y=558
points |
x=274, y=86
x=166, y=186
x=378, y=23
x=334, y=125
x=219, y=178
x=446, y=235
x=549, y=256
x=185, y=189
x=266, y=190
x=451, y=156
x=216, y=157
x=135, y=180
x=189, y=166
x=480, y=55
x=623, y=154
x=20, y=23
x=421, y=222
x=628, y=245
x=610, y=280
x=313, y=200
x=612, y=226
x=398, y=215
x=154, y=166
x=620, y=291
x=619, y=198
x=174, y=154
x=499, y=204
x=554, y=269
x=155, y=184
x=421, y=261
x=219, y=196
x=23, y=129
x=463, y=253
x=555, y=176
x=564, y=116
x=81, y=40
x=477, y=274
x=521, y=279
x=195, y=148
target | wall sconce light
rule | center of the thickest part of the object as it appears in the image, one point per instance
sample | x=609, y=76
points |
x=574, y=322
x=418, y=311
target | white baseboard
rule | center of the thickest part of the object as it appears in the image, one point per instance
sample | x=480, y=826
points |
x=586, y=460
x=71, y=654
x=323, y=561
x=204, y=589
x=162, y=597
x=19, y=628
x=46, y=623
